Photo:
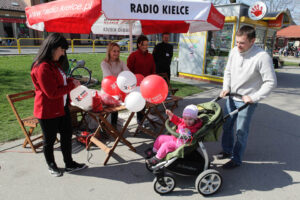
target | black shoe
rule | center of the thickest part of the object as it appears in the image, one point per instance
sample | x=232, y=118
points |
x=139, y=122
x=75, y=167
x=230, y=165
x=54, y=171
x=149, y=153
x=223, y=155
x=152, y=161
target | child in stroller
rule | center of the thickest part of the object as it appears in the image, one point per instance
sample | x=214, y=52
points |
x=191, y=158
x=186, y=127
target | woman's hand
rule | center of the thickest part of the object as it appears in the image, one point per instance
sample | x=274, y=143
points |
x=76, y=83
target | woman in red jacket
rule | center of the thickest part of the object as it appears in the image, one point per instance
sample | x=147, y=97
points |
x=50, y=103
x=141, y=62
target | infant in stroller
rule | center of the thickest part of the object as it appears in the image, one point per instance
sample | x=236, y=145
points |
x=186, y=127
x=187, y=155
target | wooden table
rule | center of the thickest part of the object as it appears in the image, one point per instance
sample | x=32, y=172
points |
x=105, y=125
x=171, y=103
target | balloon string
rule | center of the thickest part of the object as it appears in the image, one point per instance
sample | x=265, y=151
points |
x=164, y=105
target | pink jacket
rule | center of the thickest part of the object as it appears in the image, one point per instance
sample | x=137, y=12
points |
x=179, y=122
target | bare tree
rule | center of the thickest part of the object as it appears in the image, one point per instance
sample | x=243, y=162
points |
x=279, y=5
x=218, y=2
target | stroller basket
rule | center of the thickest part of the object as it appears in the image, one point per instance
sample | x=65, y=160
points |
x=212, y=116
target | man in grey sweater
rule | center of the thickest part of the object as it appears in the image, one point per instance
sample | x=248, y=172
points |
x=249, y=73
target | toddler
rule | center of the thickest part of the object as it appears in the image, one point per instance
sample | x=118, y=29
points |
x=186, y=126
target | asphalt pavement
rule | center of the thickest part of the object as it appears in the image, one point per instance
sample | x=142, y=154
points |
x=270, y=171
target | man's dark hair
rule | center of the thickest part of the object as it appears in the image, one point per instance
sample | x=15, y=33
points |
x=165, y=33
x=249, y=31
x=140, y=40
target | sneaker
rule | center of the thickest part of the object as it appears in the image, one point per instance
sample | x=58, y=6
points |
x=54, y=171
x=223, y=155
x=149, y=153
x=140, y=124
x=75, y=167
x=230, y=165
x=152, y=161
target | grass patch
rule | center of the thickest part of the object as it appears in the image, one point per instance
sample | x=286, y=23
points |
x=287, y=63
x=15, y=77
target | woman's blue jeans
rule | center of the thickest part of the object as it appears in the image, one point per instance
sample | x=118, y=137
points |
x=243, y=119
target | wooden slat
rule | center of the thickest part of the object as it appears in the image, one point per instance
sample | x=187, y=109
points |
x=99, y=144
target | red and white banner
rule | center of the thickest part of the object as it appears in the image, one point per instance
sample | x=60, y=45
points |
x=155, y=16
x=156, y=9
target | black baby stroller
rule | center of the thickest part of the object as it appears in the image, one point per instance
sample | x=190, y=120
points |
x=188, y=160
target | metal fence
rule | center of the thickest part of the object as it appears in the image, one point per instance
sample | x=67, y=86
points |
x=24, y=43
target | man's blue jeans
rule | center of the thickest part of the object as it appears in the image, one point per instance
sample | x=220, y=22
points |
x=243, y=119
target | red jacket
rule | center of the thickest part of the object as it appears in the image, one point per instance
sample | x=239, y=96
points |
x=141, y=63
x=49, y=90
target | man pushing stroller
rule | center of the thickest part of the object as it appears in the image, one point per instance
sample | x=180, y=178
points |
x=250, y=73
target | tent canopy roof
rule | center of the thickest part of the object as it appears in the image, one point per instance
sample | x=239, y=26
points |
x=292, y=31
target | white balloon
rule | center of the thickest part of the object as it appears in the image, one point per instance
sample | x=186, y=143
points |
x=126, y=81
x=82, y=97
x=134, y=101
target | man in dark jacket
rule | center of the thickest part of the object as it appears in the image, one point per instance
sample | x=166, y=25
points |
x=162, y=54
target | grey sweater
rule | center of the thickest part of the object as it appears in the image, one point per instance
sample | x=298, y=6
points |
x=249, y=73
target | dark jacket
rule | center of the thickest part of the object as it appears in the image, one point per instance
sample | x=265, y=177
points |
x=162, y=54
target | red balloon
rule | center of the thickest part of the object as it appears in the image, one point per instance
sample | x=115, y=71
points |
x=139, y=78
x=122, y=96
x=109, y=85
x=154, y=89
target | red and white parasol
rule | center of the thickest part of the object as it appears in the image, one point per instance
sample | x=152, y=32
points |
x=135, y=16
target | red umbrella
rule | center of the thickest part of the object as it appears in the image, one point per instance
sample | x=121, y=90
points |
x=155, y=16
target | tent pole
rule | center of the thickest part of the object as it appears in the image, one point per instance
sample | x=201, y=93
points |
x=130, y=36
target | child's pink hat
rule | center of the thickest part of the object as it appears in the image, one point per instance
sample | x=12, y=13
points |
x=190, y=111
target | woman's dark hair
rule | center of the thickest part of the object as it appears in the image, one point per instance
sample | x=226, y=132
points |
x=47, y=48
x=249, y=31
x=140, y=40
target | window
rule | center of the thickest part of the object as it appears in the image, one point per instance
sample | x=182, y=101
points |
x=217, y=50
x=260, y=37
x=270, y=41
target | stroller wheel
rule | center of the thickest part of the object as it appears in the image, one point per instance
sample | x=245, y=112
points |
x=165, y=184
x=208, y=182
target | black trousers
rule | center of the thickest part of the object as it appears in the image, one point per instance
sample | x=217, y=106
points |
x=140, y=116
x=114, y=118
x=50, y=128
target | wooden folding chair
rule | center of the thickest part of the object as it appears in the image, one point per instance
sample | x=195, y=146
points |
x=165, y=76
x=30, y=122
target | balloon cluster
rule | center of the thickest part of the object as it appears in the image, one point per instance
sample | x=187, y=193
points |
x=135, y=90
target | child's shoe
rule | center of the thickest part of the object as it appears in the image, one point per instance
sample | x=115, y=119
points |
x=149, y=153
x=152, y=161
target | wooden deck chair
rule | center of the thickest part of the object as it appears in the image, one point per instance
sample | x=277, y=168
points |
x=28, y=124
x=165, y=76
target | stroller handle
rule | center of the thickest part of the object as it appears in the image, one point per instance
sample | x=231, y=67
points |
x=236, y=110
x=228, y=94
